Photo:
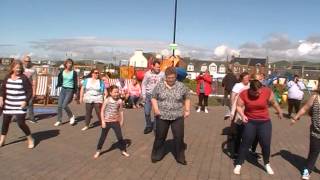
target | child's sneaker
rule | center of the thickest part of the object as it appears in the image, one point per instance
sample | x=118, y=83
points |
x=269, y=169
x=237, y=170
x=206, y=110
x=305, y=174
x=199, y=109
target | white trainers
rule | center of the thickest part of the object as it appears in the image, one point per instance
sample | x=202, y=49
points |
x=199, y=109
x=85, y=128
x=206, y=110
x=125, y=154
x=58, y=123
x=237, y=170
x=305, y=174
x=269, y=169
x=72, y=120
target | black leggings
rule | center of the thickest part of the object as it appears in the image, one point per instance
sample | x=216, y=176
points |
x=203, y=100
x=117, y=130
x=162, y=127
x=89, y=108
x=293, y=103
x=21, y=121
x=253, y=129
x=314, y=150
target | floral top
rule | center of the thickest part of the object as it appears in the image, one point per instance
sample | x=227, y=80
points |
x=170, y=100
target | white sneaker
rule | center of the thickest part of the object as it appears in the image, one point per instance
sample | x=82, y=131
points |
x=305, y=174
x=199, y=109
x=125, y=154
x=58, y=123
x=269, y=169
x=206, y=110
x=85, y=128
x=237, y=170
x=72, y=120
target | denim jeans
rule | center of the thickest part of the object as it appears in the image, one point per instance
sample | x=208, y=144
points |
x=134, y=100
x=252, y=130
x=147, y=111
x=65, y=98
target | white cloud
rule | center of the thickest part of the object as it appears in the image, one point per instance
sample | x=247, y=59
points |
x=223, y=51
x=275, y=46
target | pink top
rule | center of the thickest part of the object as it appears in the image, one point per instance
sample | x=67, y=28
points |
x=135, y=90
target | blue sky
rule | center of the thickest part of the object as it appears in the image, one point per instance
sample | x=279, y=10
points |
x=207, y=28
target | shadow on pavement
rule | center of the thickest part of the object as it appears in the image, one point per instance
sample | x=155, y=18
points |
x=116, y=145
x=295, y=160
x=39, y=136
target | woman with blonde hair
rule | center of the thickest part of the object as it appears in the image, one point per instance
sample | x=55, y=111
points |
x=16, y=91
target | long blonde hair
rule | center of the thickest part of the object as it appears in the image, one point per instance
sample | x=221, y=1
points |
x=13, y=64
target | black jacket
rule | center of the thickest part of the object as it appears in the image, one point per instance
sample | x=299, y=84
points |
x=75, y=80
x=228, y=82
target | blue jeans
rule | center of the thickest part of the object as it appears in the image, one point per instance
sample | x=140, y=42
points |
x=134, y=100
x=252, y=130
x=147, y=111
x=65, y=98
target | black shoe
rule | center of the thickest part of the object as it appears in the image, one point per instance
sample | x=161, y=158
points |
x=184, y=162
x=147, y=130
x=154, y=160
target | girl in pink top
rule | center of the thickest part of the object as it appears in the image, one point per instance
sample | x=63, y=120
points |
x=134, y=92
x=112, y=118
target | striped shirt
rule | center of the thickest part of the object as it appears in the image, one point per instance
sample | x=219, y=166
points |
x=15, y=96
x=315, y=118
x=112, y=110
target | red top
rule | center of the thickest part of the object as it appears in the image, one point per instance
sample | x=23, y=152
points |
x=257, y=109
x=207, y=81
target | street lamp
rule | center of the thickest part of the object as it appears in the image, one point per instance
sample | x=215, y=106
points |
x=175, y=24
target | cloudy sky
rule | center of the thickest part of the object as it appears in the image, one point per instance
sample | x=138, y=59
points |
x=209, y=29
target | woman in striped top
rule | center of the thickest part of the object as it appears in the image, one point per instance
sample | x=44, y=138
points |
x=16, y=91
x=313, y=107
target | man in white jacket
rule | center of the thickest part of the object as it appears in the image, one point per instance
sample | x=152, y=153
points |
x=295, y=94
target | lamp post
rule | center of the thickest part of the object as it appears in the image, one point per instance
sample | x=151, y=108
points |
x=175, y=24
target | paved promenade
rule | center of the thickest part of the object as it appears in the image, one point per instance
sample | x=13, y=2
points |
x=66, y=152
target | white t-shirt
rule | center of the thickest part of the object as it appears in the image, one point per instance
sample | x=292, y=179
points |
x=295, y=90
x=239, y=87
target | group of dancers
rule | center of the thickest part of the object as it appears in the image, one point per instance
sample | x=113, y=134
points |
x=249, y=109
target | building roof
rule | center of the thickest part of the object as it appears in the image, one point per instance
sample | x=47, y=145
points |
x=249, y=61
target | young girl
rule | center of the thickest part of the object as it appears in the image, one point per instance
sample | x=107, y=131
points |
x=112, y=118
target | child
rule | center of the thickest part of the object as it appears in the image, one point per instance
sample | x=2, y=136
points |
x=112, y=118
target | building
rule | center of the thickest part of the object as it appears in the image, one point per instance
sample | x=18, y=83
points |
x=251, y=65
x=138, y=60
x=216, y=69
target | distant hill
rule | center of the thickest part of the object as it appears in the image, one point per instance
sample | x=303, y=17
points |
x=284, y=63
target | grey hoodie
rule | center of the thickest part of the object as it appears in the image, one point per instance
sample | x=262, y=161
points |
x=150, y=81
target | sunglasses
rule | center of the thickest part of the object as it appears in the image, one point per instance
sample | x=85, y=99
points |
x=96, y=73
